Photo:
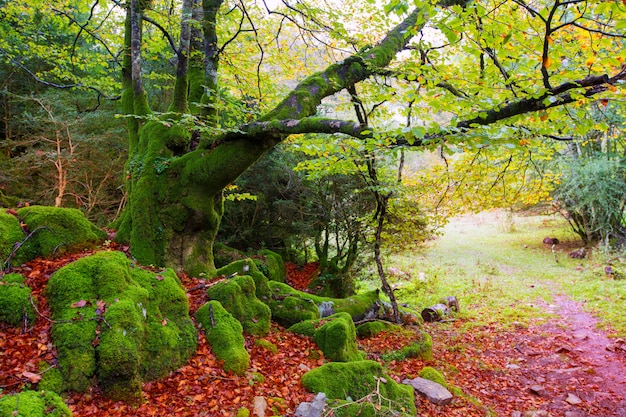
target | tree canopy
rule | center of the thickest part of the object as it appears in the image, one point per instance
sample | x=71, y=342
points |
x=207, y=87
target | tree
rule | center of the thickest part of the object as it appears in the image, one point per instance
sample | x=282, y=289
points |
x=487, y=65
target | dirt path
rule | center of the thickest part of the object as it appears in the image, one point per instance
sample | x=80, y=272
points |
x=560, y=367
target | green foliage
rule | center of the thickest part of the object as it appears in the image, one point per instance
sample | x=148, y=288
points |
x=592, y=192
x=34, y=404
x=225, y=335
x=148, y=331
x=15, y=305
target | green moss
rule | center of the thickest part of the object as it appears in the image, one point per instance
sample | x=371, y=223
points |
x=420, y=349
x=372, y=328
x=305, y=328
x=265, y=344
x=337, y=338
x=51, y=378
x=243, y=412
x=248, y=267
x=289, y=306
x=34, y=404
x=276, y=270
x=238, y=296
x=370, y=407
x=15, y=305
x=225, y=335
x=118, y=322
x=56, y=230
x=356, y=380
x=11, y=234
x=225, y=255
x=434, y=375
x=293, y=310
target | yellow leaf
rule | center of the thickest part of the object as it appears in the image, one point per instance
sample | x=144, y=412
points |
x=547, y=62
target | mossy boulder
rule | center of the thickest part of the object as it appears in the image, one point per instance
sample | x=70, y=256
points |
x=56, y=230
x=15, y=305
x=118, y=322
x=34, y=404
x=225, y=335
x=337, y=338
x=290, y=306
x=247, y=267
x=11, y=240
x=356, y=380
x=372, y=328
x=238, y=296
x=224, y=255
x=276, y=270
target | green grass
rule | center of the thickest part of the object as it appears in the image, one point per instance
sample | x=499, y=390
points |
x=503, y=274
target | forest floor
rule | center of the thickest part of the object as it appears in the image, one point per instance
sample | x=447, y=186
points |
x=559, y=366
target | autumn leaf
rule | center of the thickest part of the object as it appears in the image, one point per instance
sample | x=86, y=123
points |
x=32, y=377
x=78, y=304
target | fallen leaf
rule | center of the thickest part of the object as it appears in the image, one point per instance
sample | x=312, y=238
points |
x=32, y=377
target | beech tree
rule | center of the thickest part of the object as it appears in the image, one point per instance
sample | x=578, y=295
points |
x=460, y=73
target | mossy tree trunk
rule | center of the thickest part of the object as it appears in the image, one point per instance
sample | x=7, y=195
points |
x=174, y=181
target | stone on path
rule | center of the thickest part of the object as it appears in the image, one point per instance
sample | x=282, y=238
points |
x=313, y=409
x=573, y=399
x=434, y=392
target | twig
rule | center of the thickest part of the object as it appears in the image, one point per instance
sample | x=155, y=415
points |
x=18, y=245
x=211, y=315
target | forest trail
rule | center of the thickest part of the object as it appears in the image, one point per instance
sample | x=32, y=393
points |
x=561, y=365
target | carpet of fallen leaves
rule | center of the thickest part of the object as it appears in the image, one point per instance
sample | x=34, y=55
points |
x=561, y=368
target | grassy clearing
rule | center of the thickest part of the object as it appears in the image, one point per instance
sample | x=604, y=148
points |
x=502, y=273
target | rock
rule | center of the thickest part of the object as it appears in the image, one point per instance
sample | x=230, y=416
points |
x=434, y=392
x=259, y=404
x=313, y=409
x=538, y=390
x=516, y=414
x=574, y=414
x=573, y=399
x=513, y=366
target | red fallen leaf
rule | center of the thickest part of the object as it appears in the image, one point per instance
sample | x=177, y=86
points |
x=159, y=277
x=32, y=377
x=164, y=322
x=77, y=304
x=11, y=212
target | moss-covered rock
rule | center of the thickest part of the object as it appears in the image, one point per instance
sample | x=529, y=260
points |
x=290, y=306
x=51, y=378
x=11, y=240
x=372, y=328
x=224, y=255
x=337, y=338
x=430, y=373
x=34, y=404
x=247, y=267
x=421, y=348
x=356, y=380
x=276, y=270
x=15, y=305
x=56, y=230
x=225, y=335
x=118, y=322
x=238, y=296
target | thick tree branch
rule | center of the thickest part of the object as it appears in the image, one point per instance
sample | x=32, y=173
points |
x=557, y=96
